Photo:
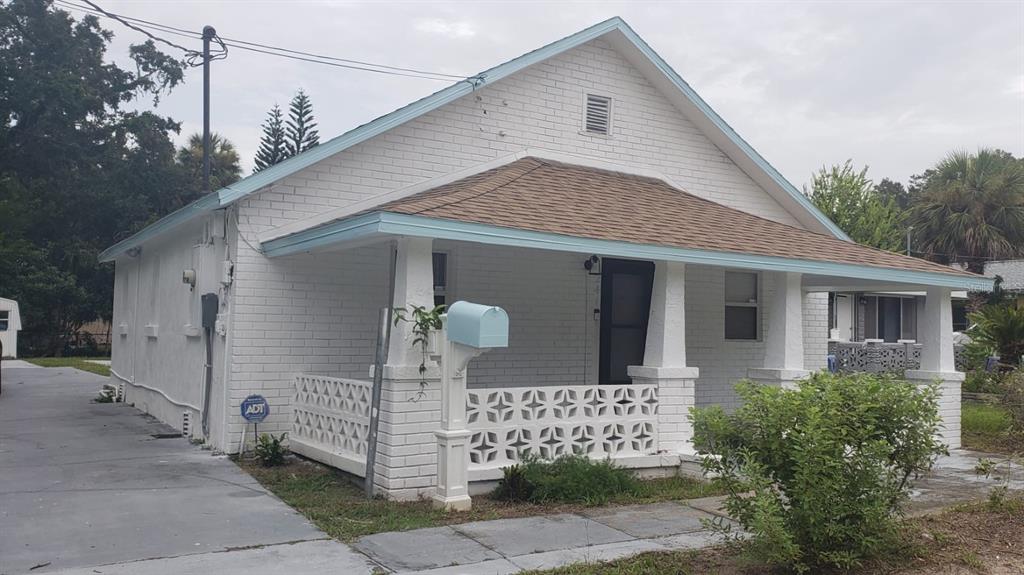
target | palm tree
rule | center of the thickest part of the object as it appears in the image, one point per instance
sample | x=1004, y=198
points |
x=971, y=208
x=224, y=162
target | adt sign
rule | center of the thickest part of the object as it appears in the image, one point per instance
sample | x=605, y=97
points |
x=255, y=408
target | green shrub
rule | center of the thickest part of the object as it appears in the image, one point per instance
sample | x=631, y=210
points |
x=1001, y=327
x=270, y=450
x=1013, y=399
x=981, y=381
x=567, y=479
x=816, y=475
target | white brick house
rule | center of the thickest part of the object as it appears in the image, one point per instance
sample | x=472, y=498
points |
x=498, y=190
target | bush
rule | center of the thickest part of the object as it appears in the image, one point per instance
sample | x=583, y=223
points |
x=567, y=479
x=817, y=475
x=981, y=381
x=270, y=450
x=1013, y=399
x=1001, y=327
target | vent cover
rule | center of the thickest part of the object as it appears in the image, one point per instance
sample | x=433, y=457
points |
x=599, y=115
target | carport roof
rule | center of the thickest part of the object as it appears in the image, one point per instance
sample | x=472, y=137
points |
x=560, y=200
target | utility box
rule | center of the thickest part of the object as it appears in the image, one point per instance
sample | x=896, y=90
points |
x=479, y=326
x=210, y=309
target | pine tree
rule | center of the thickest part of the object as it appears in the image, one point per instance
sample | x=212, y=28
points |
x=273, y=149
x=301, y=133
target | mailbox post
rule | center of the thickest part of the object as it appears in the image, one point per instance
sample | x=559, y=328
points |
x=469, y=330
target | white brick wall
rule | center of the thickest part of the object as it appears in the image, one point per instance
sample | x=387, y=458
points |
x=315, y=313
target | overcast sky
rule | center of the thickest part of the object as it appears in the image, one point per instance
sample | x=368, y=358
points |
x=894, y=85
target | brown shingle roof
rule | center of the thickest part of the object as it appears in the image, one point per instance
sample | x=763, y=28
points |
x=547, y=196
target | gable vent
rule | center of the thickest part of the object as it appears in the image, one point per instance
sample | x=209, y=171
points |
x=599, y=115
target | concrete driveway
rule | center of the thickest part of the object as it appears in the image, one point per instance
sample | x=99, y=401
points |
x=92, y=488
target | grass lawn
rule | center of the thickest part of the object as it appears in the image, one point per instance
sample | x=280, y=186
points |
x=337, y=506
x=986, y=427
x=972, y=539
x=75, y=362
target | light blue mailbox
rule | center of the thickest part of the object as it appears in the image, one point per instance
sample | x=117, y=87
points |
x=475, y=325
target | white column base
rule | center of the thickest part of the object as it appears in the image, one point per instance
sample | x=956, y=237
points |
x=406, y=466
x=949, y=401
x=676, y=395
x=784, y=378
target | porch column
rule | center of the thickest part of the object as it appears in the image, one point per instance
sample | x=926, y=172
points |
x=665, y=359
x=937, y=361
x=410, y=413
x=784, y=341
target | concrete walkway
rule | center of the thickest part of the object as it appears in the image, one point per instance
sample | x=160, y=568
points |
x=601, y=534
x=95, y=488
x=513, y=545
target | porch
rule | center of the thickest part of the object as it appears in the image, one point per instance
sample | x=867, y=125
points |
x=623, y=317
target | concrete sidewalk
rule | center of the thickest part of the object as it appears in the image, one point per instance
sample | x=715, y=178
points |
x=602, y=534
x=513, y=545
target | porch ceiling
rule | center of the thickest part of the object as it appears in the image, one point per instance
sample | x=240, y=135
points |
x=551, y=205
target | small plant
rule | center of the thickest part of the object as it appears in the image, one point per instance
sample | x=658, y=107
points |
x=514, y=485
x=981, y=381
x=817, y=475
x=270, y=450
x=423, y=322
x=566, y=479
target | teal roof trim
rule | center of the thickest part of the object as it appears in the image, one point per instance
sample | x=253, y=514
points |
x=382, y=224
x=259, y=180
x=203, y=205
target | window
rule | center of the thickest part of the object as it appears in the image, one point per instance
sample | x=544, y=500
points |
x=960, y=322
x=5, y=320
x=440, y=260
x=889, y=318
x=598, y=119
x=741, y=306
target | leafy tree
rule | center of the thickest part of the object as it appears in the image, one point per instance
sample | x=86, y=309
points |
x=272, y=146
x=80, y=165
x=224, y=167
x=894, y=191
x=971, y=208
x=300, y=133
x=848, y=198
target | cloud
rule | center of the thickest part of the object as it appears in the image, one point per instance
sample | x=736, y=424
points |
x=450, y=29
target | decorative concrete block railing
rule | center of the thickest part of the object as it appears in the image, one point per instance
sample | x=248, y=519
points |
x=600, y=421
x=330, y=420
x=877, y=357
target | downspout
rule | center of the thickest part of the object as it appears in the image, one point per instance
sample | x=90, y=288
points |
x=383, y=345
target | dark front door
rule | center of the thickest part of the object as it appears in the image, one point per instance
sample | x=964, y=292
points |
x=625, y=306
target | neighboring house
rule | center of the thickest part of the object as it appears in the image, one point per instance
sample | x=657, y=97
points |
x=10, y=325
x=890, y=317
x=647, y=256
x=1012, y=272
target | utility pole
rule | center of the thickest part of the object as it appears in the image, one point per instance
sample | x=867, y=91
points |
x=909, y=229
x=208, y=34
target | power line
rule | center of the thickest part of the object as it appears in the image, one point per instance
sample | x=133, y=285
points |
x=139, y=24
x=124, y=21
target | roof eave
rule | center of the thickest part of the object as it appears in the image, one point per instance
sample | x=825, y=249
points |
x=384, y=224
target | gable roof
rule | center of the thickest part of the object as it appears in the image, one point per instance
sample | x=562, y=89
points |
x=615, y=28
